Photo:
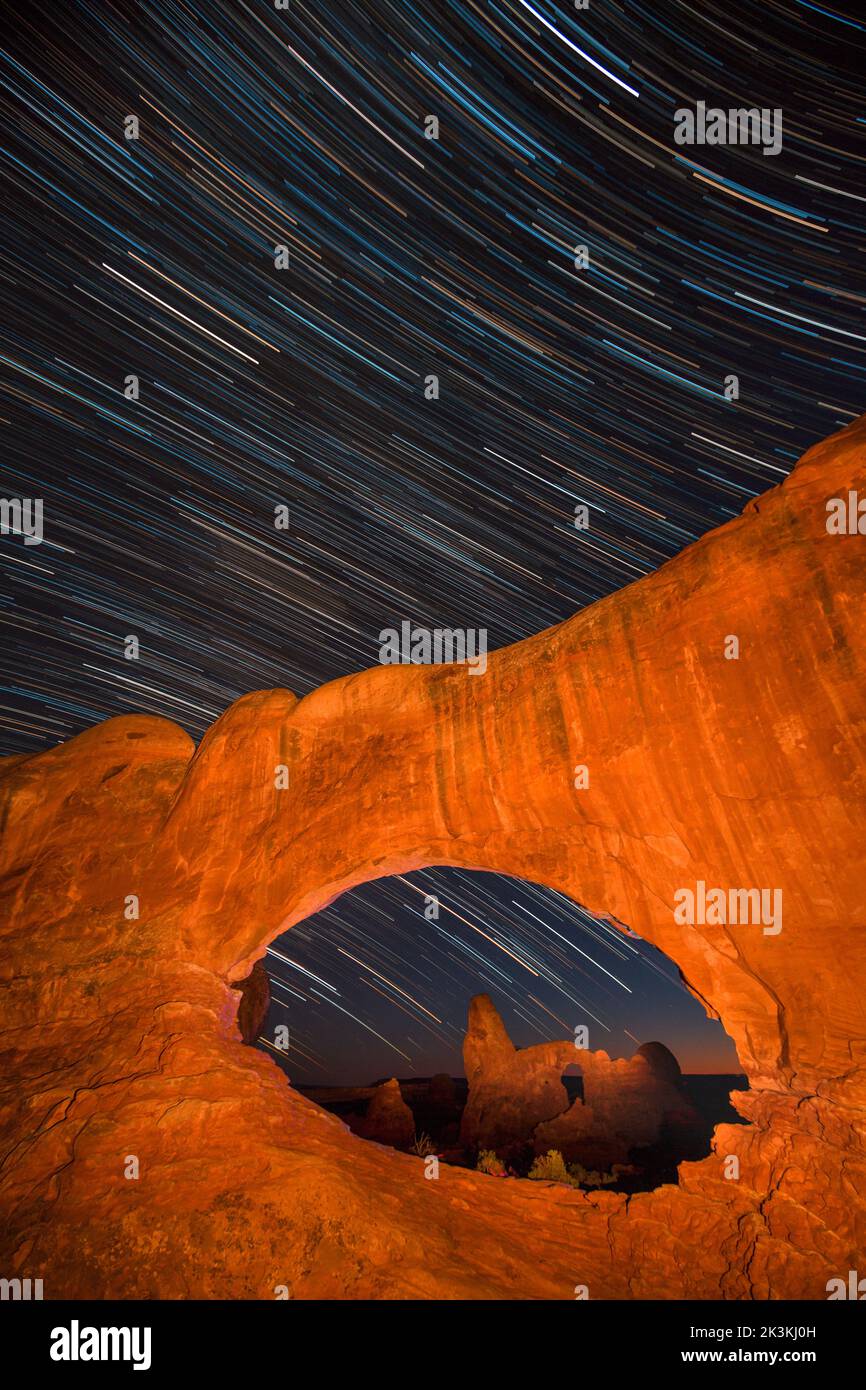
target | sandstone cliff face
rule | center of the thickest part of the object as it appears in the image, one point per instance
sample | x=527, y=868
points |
x=120, y=1036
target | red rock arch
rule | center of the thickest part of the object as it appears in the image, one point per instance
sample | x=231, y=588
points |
x=746, y=773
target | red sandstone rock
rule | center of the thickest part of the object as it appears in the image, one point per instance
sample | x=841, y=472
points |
x=510, y=1091
x=255, y=1002
x=517, y=1097
x=120, y=1037
x=625, y=1104
x=662, y=1063
x=388, y=1119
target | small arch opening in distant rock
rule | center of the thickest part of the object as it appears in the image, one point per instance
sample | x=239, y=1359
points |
x=572, y=1080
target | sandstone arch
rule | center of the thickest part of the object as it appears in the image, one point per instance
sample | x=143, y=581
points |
x=739, y=773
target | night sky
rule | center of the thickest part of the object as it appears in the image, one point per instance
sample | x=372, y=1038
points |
x=304, y=386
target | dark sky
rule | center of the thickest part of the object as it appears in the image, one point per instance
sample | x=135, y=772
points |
x=304, y=386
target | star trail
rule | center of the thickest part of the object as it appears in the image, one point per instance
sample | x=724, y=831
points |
x=243, y=307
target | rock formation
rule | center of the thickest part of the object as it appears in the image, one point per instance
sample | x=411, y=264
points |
x=626, y=1105
x=255, y=1002
x=510, y=1091
x=388, y=1119
x=516, y=1097
x=119, y=1034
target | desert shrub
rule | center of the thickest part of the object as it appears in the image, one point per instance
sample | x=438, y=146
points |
x=590, y=1177
x=488, y=1162
x=549, y=1167
x=423, y=1145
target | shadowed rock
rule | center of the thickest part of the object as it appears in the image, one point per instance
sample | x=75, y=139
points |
x=255, y=1002
x=442, y=1091
x=662, y=1062
x=388, y=1119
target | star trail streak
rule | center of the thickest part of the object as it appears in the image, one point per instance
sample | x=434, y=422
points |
x=301, y=131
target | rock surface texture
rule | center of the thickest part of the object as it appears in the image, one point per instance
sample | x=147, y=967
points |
x=120, y=1037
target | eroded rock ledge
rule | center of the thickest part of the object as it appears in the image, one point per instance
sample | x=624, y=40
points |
x=120, y=1038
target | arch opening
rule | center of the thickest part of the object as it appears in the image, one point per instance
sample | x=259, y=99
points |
x=374, y=1013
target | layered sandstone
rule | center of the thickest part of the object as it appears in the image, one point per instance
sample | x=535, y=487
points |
x=120, y=1035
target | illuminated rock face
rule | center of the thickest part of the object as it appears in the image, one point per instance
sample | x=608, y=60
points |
x=121, y=1034
x=626, y=1105
x=511, y=1090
